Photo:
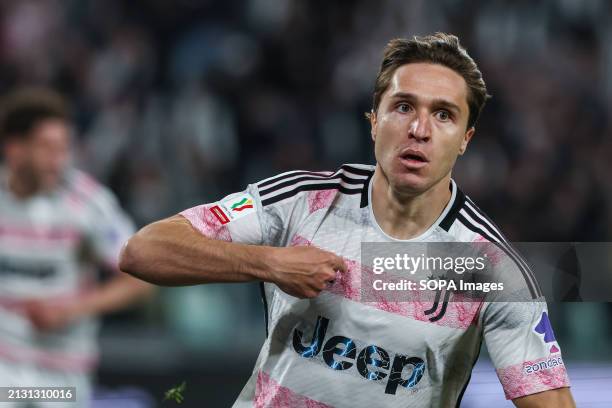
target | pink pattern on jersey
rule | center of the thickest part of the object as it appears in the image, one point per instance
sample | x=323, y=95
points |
x=494, y=253
x=320, y=199
x=85, y=183
x=480, y=238
x=39, y=234
x=82, y=188
x=299, y=240
x=54, y=360
x=270, y=394
x=207, y=223
x=459, y=314
x=517, y=383
x=348, y=284
x=74, y=201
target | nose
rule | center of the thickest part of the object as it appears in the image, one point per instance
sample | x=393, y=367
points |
x=420, y=128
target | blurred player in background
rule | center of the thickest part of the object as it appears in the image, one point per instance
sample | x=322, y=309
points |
x=57, y=227
x=325, y=345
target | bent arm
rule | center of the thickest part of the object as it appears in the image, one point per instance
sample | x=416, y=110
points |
x=171, y=252
x=558, y=398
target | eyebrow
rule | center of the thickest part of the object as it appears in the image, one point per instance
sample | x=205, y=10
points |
x=437, y=102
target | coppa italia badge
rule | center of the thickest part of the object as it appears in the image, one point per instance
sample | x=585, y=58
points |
x=245, y=203
x=233, y=208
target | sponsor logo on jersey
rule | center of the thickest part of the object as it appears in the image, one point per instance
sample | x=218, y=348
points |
x=372, y=362
x=543, y=365
x=545, y=328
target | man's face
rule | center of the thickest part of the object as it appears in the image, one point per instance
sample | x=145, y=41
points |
x=43, y=155
x=420, y=126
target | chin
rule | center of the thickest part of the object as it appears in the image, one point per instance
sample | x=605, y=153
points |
x=410, y=184
x=49, y=183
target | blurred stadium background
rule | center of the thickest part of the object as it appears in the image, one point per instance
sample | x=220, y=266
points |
x=181, y=102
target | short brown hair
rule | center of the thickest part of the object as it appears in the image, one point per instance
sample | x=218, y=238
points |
x=24, y=108
x=439, y=48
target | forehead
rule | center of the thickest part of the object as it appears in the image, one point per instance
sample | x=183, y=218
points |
x=50, y=129
x=428, y=82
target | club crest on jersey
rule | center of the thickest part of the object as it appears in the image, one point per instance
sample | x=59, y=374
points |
x=545, y=328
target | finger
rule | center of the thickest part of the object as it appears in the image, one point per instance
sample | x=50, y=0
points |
x=317, y=286
x=327, y=275
x=339, y=264
x=320, y=286
x=311, y=294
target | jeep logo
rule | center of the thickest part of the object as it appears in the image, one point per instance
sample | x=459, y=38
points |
x=371, y=355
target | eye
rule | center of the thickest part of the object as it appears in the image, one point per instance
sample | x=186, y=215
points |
x=443, y=115
x=404, y=107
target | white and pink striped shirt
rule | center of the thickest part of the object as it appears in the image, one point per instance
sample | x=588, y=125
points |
x=338, y=350
x=49, y=246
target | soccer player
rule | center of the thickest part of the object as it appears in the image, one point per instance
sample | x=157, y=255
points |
x=56, y=224
x=299, y=234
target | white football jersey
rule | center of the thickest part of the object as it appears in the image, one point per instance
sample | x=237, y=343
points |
x=337, y=350
x=49, y=244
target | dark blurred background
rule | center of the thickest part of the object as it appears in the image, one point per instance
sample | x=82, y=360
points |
x=181, y=102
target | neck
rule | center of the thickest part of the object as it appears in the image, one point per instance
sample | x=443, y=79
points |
x=404, y=216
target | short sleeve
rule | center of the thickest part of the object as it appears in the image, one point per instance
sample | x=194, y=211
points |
x=523, y=347
x=241, y=217
x=236, y=217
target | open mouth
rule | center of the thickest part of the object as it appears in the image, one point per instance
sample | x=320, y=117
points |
x=414, y=156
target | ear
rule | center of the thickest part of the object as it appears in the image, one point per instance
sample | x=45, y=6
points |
x=12, y=150
x=373, y=122
x=466, y=139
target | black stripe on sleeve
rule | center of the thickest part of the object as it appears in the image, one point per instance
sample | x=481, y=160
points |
x=533, y=291
x=317, y=174
x=298, y=180
x=356, y=170
x=494, y=230
x=310, y=187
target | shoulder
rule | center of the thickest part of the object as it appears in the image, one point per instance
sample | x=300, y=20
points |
x=348, y=180
x=468, y=223
x=83, y=191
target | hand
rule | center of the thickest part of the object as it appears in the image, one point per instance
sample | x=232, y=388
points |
x=304, y=272
x=51, y=315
